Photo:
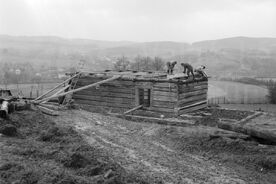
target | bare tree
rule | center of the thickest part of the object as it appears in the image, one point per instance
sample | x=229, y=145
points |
x=158, y=64
x=122, y=63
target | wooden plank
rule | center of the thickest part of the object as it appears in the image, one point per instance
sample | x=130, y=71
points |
x=164, y=98
x=189, y=103
x=59, y=91
x=113, y=83
x=103, y=99
x=193, y=93
x=165, y=85
x=168, y=85
x=104, y=104
x=193, y=104
x=105, y=94
x=165, y=89
x=162, y=93
x=191, y=88
x=198, y=107
x=111, y=89
x=133, y=109
x=204, y=83
x=194, y=84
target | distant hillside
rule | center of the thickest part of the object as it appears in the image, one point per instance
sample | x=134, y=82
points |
x=48, y=41
x=238, y=56
x=164, y=49
x=239, y=43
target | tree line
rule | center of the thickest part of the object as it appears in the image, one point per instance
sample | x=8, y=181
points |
x=139, y=63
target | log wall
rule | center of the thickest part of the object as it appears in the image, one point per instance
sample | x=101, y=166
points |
x=192, y=96
x=114, y=94
x=165, y=97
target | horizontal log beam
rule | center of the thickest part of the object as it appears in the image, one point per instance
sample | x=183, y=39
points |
x=193, y=105
x=167, y=94
x=104, y=104
x=84, y=82
x=193, y=93
x=110, y=89
x=165, y=89
x=197, y=88
x=153, y=79
x=189, y=103
x=164, y=98
x=104, y=99
x=104, y=94
x=193, y=98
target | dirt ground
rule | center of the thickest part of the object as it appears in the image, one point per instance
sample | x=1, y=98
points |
x=171, y=154
x=84, y=147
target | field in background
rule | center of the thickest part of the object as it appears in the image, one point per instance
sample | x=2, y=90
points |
x=29, y=90
x=221, y=92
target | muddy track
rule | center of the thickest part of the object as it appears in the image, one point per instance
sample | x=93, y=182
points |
x=139, y=147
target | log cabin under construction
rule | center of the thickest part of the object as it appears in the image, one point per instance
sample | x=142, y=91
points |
x=149, y=91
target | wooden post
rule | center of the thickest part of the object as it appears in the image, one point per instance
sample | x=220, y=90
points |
x=59, y=91
x=56, y=87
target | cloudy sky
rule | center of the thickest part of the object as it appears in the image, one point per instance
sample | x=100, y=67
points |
x=139, y=20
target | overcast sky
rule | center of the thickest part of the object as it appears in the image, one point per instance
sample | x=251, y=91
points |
x=139, y=20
